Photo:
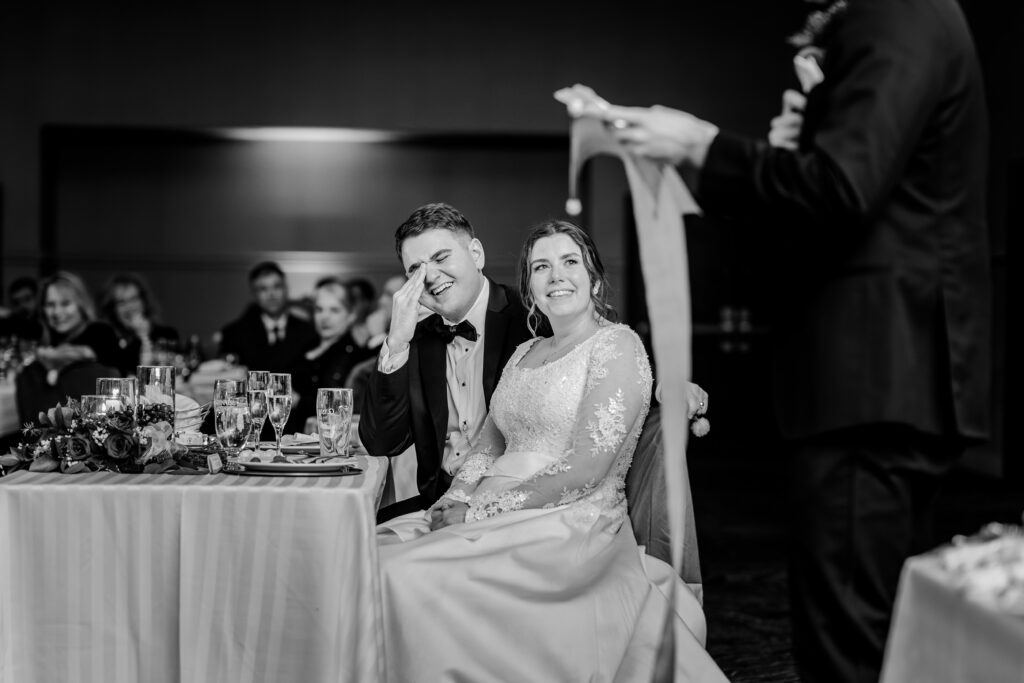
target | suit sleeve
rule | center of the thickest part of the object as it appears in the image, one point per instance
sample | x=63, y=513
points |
x=384, y=426
x=882, y=79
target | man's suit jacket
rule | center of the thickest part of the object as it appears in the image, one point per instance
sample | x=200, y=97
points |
x=880, y=216
x=246, y=337
x=410, y=406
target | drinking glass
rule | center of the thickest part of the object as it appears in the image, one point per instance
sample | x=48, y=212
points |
x=259, y=382
x=98, y=405
x=334, y=420
x=231, y=417
x=125, y=388
x=279, y=402
x=156, y=394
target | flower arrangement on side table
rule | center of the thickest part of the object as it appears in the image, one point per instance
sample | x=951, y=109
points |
x=67, y=441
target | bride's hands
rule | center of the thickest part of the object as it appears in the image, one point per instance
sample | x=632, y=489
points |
x=448, y=512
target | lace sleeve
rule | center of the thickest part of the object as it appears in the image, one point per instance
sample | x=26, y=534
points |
x=489, y=445
x=615, y=402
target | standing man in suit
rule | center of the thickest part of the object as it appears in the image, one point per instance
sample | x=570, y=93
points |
x=883, y=342
x=452, y=331
x=266, y=336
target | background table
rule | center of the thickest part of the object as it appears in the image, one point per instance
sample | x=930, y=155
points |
x=126, y=578
x=940, y=635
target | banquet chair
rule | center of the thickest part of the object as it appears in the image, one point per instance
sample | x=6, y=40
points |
x=33, y=394
x=647, y=501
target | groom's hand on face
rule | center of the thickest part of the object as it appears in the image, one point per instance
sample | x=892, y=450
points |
x=405, y=310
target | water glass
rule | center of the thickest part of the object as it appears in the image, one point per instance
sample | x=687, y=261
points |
x=125, y=388
x=334, y=420
x=156, y=393
x=258, y=384
x=279, y=402
x=232, y=419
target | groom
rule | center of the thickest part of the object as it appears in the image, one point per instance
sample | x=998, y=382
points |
x=434, y=378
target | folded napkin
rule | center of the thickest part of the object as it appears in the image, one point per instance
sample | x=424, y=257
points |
x=299, y=439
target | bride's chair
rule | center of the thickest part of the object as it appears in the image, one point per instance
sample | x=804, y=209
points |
x=646, y=498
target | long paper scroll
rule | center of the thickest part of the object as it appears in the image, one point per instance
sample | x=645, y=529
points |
x=660, y=199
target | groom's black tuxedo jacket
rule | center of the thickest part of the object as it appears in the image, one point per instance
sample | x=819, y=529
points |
x=410, y=406
x=880, y=216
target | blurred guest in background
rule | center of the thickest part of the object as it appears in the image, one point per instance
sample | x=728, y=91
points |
x=70, y=329
x=329, y=363
x=130, y=309
x=363, y=298
x=21, y=319
x=267, y=336
x=74, y=350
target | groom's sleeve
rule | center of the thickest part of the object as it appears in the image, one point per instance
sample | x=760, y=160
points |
x=384, y=426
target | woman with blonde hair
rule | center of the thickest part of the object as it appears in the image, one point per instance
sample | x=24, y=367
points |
x=75, y=348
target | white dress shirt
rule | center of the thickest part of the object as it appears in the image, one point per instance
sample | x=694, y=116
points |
x=464, y=370
x=275, y=327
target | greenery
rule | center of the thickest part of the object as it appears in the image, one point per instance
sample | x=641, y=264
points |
x=65, y=440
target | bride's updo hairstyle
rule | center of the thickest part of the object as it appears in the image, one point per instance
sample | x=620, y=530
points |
x=599, y=288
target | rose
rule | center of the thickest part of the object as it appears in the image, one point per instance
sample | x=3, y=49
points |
x=77, y=447
x=121, y=421
x=120, y=445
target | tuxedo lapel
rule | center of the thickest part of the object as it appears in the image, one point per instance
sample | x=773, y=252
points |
x=430, y=350
x=495, y=333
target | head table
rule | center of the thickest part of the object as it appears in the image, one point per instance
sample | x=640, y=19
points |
x=125, y=578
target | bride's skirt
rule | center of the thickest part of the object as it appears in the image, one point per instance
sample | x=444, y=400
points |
x=533, y=595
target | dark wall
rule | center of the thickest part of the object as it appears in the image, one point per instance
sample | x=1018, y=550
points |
x=433, y=67
x=450, y=66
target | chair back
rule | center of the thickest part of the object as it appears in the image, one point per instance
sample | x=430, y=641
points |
x=646, y=498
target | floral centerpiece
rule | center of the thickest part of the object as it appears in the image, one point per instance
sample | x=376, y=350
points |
x=65, y=440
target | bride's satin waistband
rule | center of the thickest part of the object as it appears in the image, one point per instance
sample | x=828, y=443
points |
x=520, y=464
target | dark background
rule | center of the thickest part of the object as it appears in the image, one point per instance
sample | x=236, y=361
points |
x=98, y=177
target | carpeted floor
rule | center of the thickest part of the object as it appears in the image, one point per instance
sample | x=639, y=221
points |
x=742, y=537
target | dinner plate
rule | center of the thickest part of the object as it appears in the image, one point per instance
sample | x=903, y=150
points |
x=348, y=471
x=294, y=466
x=312, y=448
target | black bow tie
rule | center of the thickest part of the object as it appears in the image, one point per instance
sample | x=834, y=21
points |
x=447, y=333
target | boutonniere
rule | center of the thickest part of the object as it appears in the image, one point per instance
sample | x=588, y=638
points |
x=817, y=25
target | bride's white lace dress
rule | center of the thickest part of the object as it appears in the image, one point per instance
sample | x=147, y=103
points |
x=544, y=582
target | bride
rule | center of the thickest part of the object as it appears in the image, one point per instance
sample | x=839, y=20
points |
x=527, y=568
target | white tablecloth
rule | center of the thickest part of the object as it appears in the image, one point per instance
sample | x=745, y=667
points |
x=8, y=408
x=127, y=578
x=940, y=634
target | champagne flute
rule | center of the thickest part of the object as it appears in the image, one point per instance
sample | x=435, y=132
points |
x=259, y=383
x=279, y=402
x=232, y=419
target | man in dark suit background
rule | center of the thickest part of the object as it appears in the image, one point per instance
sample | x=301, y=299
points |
x=267, y=336
x=452, y=331
x=883, y=337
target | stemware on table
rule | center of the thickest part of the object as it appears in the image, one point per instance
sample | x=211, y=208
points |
x=279, y=402
x=232, y=419
x=258, y=385
x=334, y=420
